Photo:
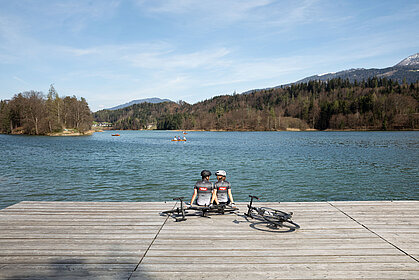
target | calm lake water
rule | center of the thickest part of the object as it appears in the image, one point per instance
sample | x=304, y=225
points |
x=147, y=166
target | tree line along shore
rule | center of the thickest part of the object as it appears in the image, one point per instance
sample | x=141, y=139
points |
x=34, y=114
x=337, y=104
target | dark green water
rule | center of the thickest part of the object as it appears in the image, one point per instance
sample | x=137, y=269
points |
x=147, y=166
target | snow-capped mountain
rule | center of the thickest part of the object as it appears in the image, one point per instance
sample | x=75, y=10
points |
x=409, y=61
x=407, y=69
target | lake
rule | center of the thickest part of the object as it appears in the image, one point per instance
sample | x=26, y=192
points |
x=147, y=166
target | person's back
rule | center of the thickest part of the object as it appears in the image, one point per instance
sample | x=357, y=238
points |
x=222, y=188
x=203, y=190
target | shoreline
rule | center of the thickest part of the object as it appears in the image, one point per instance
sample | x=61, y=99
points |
x=91, y=132
x=71, y=133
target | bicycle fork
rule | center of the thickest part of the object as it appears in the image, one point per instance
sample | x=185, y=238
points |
x=249, y=206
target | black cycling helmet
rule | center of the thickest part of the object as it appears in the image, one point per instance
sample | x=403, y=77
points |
x=205, y=173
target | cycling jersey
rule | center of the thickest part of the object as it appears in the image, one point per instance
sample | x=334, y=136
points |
x=222, y=188
x=204, y=189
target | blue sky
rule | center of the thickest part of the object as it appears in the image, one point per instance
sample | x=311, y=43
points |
x=112, y=52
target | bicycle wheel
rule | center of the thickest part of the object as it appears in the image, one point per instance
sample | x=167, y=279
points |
x=279, y=220
x=290, y=224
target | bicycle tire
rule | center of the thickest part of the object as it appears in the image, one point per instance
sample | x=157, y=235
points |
x=279, y=220
x=290, y=224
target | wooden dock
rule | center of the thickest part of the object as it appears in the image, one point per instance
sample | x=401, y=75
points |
x=130, y=240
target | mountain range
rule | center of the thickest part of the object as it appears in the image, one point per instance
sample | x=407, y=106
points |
x=153, y=100
x=406, y=70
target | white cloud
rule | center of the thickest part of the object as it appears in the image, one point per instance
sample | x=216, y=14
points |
x=253, y=14
x=208, y=13
x=227, y=9
x=21, y=80
x=170, y=60
x=72, y=15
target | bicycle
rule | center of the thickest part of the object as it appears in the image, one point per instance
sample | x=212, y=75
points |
x=177, y=211
x=273, y=217
x=204, y=210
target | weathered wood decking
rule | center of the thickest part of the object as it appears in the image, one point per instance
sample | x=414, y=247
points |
x=110, y=240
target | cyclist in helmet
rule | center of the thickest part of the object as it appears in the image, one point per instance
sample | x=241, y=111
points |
x=203, y=190
x=222, y=189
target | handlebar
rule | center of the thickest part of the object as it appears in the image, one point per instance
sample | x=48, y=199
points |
x=179, y=198
x=252, y=196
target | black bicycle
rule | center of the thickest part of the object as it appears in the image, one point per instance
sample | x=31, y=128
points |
x=274, y=218
x=180, y=213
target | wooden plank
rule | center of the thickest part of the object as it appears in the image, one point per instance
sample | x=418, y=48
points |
x=66, y=227
x=275, y=274
x=24, y=235
x=72, y=241
x=66, y=267
x=275, y=242
x=72, y=252
x=274, y=253
x=68, y=259
x=249, y=267
x=23, y=274
x=234, y=245
x=18, y=248
x=327, y=259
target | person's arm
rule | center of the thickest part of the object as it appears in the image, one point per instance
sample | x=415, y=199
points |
x=193, y=196
x=230, y=196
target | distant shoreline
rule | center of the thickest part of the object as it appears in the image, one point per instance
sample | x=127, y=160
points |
x=91, y=132
x=72, y=133
x=61, y=133
x=295, y=129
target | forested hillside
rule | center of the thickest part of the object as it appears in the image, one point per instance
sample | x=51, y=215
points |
x=375, y=104
x=31, y=113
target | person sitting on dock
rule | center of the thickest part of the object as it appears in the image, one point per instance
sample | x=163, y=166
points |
x=203, y=190
x=222, y=189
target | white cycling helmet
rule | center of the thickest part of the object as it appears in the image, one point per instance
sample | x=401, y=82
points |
x=221, y=173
